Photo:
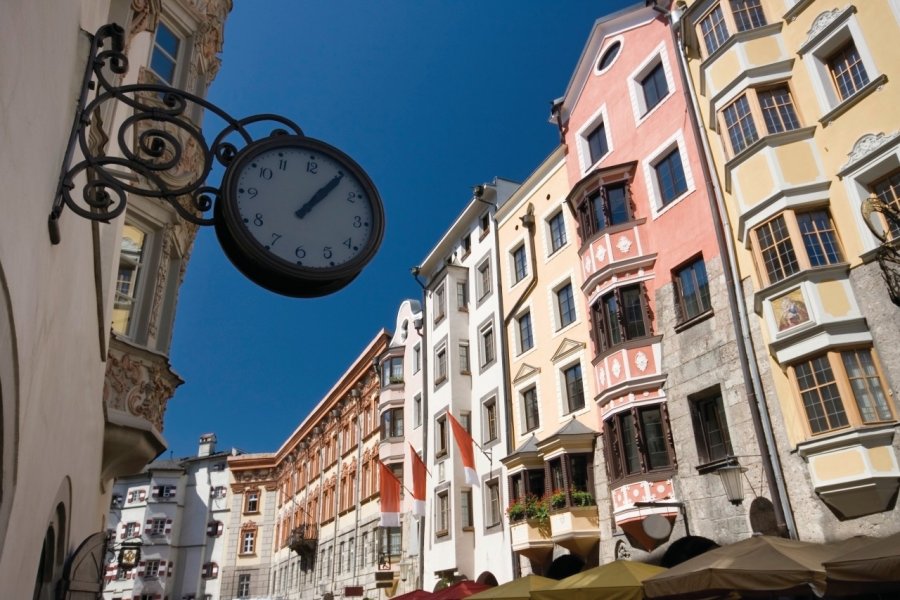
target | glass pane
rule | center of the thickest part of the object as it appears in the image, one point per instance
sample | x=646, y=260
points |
x=629, y=444
x=633, y=310
x=654, y=438
x=618, y=204
x=131, y=259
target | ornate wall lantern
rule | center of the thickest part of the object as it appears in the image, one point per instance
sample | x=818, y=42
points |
x=732, y=476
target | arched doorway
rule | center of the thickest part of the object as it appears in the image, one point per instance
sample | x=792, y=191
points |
x=564, y=566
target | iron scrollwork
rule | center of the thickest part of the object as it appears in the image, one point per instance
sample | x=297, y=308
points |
x=162, y=153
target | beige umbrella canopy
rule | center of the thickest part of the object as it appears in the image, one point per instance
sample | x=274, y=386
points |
x=517, y=589
x=872, y=567
x=760, y=565
x=619, y=580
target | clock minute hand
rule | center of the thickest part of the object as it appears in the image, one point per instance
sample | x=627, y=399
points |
x=319, y=196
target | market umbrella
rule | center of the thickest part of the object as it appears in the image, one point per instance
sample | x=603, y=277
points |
x=760, y=565
x=415, y=595
x=517, y=589
x=872, y=567
x=460, y=590
x=619, y=580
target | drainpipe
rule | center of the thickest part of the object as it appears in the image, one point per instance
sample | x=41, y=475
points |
x=759, y=413
x=426, y=419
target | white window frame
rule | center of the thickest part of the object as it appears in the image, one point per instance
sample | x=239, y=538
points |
x=180, y=59
x=485, y=329
x=815, y=51
x=484, y=285
x=486, y=405
x=582, y=147
x=465, y=357
x=658, y=55
x=676, y=140
x=157, y=527
x=518, y=332
x=493, y=513
x=513, y=267
x=417, y=410
x=554, y=301
x=439, y=303
x=441, y=374
x=548, y=231
x=608, y=43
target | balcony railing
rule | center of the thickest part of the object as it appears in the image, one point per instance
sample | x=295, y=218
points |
x=303, y=539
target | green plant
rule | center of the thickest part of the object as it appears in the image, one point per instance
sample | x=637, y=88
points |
x=537, y=509
x=557, y=499
x=516, y=511
x=582, y=498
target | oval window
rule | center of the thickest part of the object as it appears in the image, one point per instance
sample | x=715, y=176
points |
x=609, y=56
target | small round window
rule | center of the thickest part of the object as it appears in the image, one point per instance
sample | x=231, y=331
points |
x=608, y=57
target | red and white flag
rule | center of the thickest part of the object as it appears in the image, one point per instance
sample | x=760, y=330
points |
x=390, y=497
x=466, y=450
x=418, y=488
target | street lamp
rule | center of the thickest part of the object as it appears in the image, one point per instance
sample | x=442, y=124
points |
x=732, y=476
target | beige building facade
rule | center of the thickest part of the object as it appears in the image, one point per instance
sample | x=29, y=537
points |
x=798, y=101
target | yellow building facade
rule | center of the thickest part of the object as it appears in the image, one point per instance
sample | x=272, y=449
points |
x=798, y=100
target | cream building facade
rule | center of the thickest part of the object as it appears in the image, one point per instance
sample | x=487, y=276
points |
x=85, y=325
x=798, y=101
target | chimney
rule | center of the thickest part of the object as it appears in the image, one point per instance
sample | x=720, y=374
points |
x=207, y=444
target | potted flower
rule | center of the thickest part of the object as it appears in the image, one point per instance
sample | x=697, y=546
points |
x=516, y=511
x=537, y=509
x=557, y=499
x=582, y=498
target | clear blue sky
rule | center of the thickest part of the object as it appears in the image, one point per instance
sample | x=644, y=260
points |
x=430, y=97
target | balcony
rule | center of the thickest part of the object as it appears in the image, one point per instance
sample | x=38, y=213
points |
x=576, y=528
x=531, y=539
x=138, y=385
x=303, y=539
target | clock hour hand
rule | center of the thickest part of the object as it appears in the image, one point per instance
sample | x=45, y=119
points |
x=319, y=196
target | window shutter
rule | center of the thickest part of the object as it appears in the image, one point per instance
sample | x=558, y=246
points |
x=140, y=569
x=629, y=199
x=639, y=435
x=171, y=568
x=155, y=493
x=148, y=527
x=670, y=443
x=648, y=311
x=604, y=205
x=168, y=526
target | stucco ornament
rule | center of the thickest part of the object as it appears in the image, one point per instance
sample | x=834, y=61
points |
x=600, y=252
x=586, y=264
x=866, y=145
x=641, y=362
x=624, y=244
x=616, y=368
x=601, y=376
x=146, y=15
x=821, y=22
x=140, y=383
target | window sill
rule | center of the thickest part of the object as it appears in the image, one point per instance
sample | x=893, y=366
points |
x=715, y=465
x=251, y=512
x=468, y=528
x=853, y=100
x=679, y=327
x=794, y=11
x=771, y=140
x=441, y=533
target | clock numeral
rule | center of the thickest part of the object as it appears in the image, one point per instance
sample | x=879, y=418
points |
x=252, y=192
x=258, y=219
x=357, y=222
x=326, y=252
x=351, y=197
x=282, y=165
x=275, y=238
x=265, y=173
x=312, y=167
x=300, y=252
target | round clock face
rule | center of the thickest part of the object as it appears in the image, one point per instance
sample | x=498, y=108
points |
x=303, y=208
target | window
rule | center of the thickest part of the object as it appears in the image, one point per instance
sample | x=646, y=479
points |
x=151, y=569
x=487, y=344
x=888, y=191
x=778, y=239
x=417, y=358
x=691, y=290
x=620, y=316
x=597, y=143
x=243, y=590
x=606, y=60
x=462, y=295
x=527, y=483
x=670, y=177
x=710, y=428
x=417, y=410
x=164, y=58
x=439, y=308
x=526, y=337
x=251, y=504
x=465, y=508
x=744, y=16
x=570, y=473
x=484, y=279
x=654, y=87
x=520, y=263
x=248, y=542
x=157, y=527
x=440, y=366
x=489, y=419
x=215, y=528
x=392, y=370
x=739, y=124
x=218, y=492
x=557, y=225
x=132, y=259
x=847, y=70
x=442, y=508
x=769, y=109
x=637, y=441
x=531, y=409
x=116, y=501
x=392, y=423
x=464, y=364
x=132, y=530
x=210, y=571
x=565, y=305
x=607, y=206
x=574, y=388
x=825, y=380
x=484, y=224
x=466, y=244
x=164, y=491
x=440, y=440
x=492, y=500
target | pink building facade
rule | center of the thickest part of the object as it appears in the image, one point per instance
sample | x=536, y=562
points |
x=672, y=390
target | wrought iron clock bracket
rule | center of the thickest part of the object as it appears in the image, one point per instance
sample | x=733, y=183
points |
x=159, y=151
